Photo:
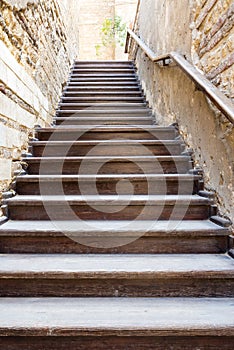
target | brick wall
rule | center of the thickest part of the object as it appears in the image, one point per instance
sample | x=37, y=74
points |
x=38, y=42
x=213, y=42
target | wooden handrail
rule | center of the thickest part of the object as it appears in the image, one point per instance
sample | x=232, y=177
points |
x=222, y=102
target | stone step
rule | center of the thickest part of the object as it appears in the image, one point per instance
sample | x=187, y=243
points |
x=109, y=207
x=90, y=132
x=113, y=237
x=101, y=99
x=135, y=275
x=118, y=106
x=108, y=165
x=117, y=323
x=111, y=184
x=106, y=148
x=100, y=119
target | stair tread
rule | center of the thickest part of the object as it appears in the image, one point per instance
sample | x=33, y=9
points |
x=118, y=266
x=75, y=178
x=110, y=199
x=114, y=104
x=190, y=228
x=112, y=84
x=107, y=227
x=103, y=93
x=109, y=111
x=113, y=142
x=112, y=158
x=103, y=128
x=107, y=90
x=97, y=98
x=116, y=316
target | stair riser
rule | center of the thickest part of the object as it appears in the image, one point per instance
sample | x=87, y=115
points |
x=105, y=150
x=110, y=167
x=86, y=212
x=111, y=287
x=104, y=135
x=108, y=187
x=117, y=343
x=56, y=244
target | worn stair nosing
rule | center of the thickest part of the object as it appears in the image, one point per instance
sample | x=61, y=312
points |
x=129, y=266
x=117, y=317
x=103, y=200
x=150, y=228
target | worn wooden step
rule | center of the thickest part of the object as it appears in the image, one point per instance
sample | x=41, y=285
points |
x=76, y=71
x=102, y=93
x=103, y=76
x=106, y=148
x=128, y=112
x=102, y=88
x=92, y=66
x=109, y=83
x=106, y=113
x=102, y=120
x=102, y=99
x=124, y=237
x=101, y=79
x=117, y=323
x=105, y=62
x=110, y=207
x=120, y=106
x=132, y=275
x=105, y=133
x=109, y=165
x=111, y=184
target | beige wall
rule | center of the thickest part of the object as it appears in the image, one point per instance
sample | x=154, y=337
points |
x=38, y=42
x=92, y=15
x=167, y=25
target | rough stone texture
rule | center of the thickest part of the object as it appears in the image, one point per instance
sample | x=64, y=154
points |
x=38, y=42
x=203, y=31
x=92, y=15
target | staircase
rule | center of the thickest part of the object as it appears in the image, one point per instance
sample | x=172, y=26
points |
x=112, y=242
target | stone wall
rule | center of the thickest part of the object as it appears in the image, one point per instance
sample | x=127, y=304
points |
x=38, y=42
x=213, y=41
x=202, y=30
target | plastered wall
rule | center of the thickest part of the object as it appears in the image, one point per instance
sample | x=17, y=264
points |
x=202, y=31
